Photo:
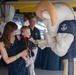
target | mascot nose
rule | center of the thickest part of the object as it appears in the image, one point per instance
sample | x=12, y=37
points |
x=46, y=6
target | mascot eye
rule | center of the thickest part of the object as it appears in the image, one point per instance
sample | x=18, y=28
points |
x=44, y=6
x=46, y=15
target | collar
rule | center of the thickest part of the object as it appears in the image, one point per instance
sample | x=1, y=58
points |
x=23, y=38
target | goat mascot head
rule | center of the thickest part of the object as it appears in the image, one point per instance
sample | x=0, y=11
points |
x=52, y=15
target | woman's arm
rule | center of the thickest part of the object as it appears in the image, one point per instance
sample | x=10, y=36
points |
x=12, y=58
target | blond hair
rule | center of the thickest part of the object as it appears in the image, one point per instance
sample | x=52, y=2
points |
x=24, y=28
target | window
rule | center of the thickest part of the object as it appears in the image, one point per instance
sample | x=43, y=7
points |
x=18, y=19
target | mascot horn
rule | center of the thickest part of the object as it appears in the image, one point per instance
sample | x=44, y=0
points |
x=61, y=37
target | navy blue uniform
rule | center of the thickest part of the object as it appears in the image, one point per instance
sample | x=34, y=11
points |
x=35, y=34
x=17, y=67
x=69, y=26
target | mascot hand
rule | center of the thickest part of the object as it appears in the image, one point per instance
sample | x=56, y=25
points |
x=62, y=43
x=42, y=43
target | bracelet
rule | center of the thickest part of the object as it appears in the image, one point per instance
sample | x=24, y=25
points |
x=16, y=57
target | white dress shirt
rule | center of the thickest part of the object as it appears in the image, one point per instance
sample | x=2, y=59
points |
x=26, y=23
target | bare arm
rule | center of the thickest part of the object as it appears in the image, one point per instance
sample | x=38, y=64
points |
x=8, y=59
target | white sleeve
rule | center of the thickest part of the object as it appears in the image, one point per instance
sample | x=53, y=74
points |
x=42, y=43
x=61, y=43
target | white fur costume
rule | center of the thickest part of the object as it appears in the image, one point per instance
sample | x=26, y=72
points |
x=52, y=15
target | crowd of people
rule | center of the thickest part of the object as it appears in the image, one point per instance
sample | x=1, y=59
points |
x=19, y=51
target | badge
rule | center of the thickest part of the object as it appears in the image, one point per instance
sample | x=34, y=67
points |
x=64, y=27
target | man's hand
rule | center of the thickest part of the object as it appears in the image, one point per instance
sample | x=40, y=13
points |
x=32, y=40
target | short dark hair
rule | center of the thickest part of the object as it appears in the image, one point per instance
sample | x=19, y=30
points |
x=26, y=15
x=32, y=16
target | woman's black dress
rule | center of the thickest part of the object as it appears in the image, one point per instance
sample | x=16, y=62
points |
x=17, y=67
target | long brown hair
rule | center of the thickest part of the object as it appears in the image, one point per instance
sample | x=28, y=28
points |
x=8, y=29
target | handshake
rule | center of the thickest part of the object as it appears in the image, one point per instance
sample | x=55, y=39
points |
x=33, y=41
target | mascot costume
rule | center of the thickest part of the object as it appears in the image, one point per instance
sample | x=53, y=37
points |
x=61, y=37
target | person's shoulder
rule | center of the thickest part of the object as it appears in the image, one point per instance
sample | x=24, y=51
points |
x=1, y=43
x=36, y=28
x=26, y=23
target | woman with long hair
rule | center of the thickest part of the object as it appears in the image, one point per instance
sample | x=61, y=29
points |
x=9, y=51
